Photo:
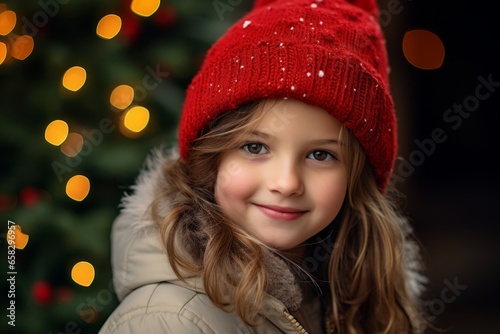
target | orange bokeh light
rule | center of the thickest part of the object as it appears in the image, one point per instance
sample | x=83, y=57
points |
x=8, y=21
x=3, y=52
x=74, y=78
x=83, y=273
x=136, y=119
x=122, y=96
x=423, y=49
x=109, y=26
x=22, y=47
x=78, y=188
x=73, y=145
x=56, y=132
x=145, y=7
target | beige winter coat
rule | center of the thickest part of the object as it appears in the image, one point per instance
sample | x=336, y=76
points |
x=153, y=300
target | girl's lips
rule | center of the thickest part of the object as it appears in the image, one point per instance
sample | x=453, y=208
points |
x=280, y=213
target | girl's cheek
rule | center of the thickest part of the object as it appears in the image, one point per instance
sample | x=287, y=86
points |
x=333, y=194
x=235, y=179
x=228, y=173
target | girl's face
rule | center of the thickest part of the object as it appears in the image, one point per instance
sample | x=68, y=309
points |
x=287, y=180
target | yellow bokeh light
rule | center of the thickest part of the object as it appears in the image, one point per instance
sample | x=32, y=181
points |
x=136, y=119
x=22, y=47
x=73, y=145
x=109, y=26
x=78, y=188
x=83, y=273
x=145, y=7
x=122, y=96
x=18, y=237
x=56, y=132
x=423, y=49
x=3, y=52
x=8, y=21
x=74, y=78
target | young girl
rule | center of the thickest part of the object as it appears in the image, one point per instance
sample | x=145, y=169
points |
x=276, y=217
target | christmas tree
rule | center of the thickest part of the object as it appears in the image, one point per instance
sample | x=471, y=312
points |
x=87, y=90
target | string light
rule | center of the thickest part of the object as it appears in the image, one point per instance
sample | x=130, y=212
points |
x=83, y=273
x=136, y=119
x=423, y=49
x=3, y=52
x=8, y=21
x=145, y=7
x=56, y=132
x=74, y=78
x=73, y=145
x=109, y=26
x=78, y=188
x=122, y=96
x=22, y=47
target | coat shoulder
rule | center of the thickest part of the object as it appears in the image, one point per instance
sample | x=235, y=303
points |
x=169, y=308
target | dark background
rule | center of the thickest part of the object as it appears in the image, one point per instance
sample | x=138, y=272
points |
x=450, y=195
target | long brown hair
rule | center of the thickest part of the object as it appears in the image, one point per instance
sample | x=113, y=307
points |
x=365, y=271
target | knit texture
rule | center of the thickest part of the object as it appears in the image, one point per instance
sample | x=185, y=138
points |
x=327, y=53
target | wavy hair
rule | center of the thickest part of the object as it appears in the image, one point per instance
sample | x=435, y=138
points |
x=366, y=273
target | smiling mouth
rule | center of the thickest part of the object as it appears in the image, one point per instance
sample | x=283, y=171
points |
x=281, y=213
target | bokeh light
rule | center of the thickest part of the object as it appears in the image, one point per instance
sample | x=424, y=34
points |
x=8, y=21
x=122, y=96
x=74, y=78
x=109, y=26
x=22, y=47
x=89, y=314
x=78, y=188
x=3, y=52
x=423, y=49
x=83, y=273
x=20, y=239
x=145, y=7
x=136, y=119
x=73, y=145
x=56, y=132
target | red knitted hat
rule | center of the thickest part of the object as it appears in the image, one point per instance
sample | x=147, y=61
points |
x=327, y=53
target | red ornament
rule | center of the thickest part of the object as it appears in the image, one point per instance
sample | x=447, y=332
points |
x=42, y=292
x=29, y=196
x=6, y=202
x=131, y=26
x=165, y=16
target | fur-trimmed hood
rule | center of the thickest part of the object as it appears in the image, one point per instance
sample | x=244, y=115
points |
x=139, y=257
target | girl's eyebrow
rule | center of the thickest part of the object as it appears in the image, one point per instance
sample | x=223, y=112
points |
x=312, y=142
x=260, y=134
x=325, y=141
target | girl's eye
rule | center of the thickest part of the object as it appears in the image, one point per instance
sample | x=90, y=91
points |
x=321, y=156
x=255, y=148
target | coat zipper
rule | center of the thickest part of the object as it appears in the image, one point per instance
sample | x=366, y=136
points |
x=300, y=329
x=295, y=323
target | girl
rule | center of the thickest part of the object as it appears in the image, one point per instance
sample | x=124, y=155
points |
x=276, y=217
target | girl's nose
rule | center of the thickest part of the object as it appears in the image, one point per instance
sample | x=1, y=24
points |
x=286, y=179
